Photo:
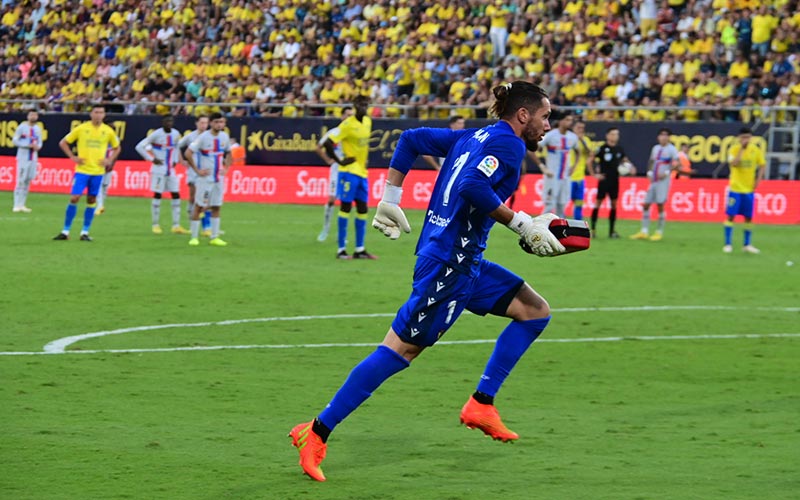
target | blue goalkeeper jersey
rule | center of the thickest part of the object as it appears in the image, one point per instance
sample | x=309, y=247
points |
x=481, y=169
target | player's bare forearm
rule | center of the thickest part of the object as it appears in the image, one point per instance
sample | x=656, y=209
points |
x=114, y=154
x=322, y=154
x=395, y=177
x=502, y=214
x=189, y=160
x=430, y=160
x=67, y=150
x=329, y=149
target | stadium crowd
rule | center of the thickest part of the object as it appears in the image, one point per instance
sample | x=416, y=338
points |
x=297, y=57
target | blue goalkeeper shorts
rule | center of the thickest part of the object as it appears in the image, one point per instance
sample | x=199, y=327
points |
x=86, y=182
x=440, y=294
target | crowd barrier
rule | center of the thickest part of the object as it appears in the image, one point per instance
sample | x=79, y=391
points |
x=777, y=202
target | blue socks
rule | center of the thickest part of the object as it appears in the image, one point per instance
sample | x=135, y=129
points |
x=510, y=347
x=728, y=233
x=341, y=225
x=72, y=209
x=748, y=233
x=363, y=380
x=206, y=220
x=577, y=214
x=361, y=230
x=88, y=217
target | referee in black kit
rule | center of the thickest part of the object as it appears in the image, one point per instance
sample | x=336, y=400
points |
x=607, y=159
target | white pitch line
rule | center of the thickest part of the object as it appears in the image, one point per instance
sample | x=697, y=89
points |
x=443, y=342
x=60, y=345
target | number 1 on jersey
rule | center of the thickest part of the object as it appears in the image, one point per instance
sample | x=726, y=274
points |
x=457, y=166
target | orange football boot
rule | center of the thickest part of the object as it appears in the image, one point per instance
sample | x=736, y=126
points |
x=485, y=417
x=311, y=448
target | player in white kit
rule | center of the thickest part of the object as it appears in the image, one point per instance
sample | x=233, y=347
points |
x=201, y=125
x=558, y=144
x=28, y=140
x=663, y=160
x=161, y=148
x=213, y=148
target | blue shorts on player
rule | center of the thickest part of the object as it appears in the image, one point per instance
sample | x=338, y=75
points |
x=352, y=187
x=740, y=204
x=440, y=294
x=577, y=190
x=86, y=182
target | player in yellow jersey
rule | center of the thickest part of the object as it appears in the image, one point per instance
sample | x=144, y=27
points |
x=352, y=135
x=585, y=158
x=747, y=168
x=94, y=138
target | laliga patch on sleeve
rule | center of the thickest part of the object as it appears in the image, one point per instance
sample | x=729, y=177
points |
x=488, y=165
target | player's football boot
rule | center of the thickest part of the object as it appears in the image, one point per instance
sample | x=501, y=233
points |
x=614, y=235
x=86, y=237
x=16, y=209
x=157, y=229
x=100, y=211
x=26, y=209
x=657, y=237
x=750, y=249
x=206, y=233
x=342, y=254
x=61, y=237
x=641, y=235
x=363, y=254
x=218, y=242
x=179, y=230
x=311, y=448
x=727, y=248
x=322, y=236
x=485, y=417
x=194, y=242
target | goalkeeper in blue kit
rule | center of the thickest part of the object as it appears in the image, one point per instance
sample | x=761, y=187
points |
x=481, y=169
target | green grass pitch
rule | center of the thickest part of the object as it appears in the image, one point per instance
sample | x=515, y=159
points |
x=691, y=409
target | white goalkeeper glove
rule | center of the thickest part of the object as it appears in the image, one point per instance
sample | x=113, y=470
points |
x=389, y=217
x=535, y=233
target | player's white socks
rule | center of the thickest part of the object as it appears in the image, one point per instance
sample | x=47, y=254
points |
x=214, y=227
x=21, y=193
x=662, y=220
x=194, y=227
x=101, y=196
x=176, y=212
x=326, y=225
x=646, y=221
x=156, y=210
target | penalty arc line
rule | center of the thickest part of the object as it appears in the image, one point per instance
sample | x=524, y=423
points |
x=59, y=346
x=444, y=342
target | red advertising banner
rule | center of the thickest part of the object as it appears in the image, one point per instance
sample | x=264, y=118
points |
x=777, y=202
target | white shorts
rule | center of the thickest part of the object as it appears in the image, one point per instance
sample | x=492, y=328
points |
x=207, y=192
x=160, y=182
x=26, y=170
x=556, y=191
x=657, y=192
x=333, y=178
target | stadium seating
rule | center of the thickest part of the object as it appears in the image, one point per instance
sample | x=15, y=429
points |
x=299, y=58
